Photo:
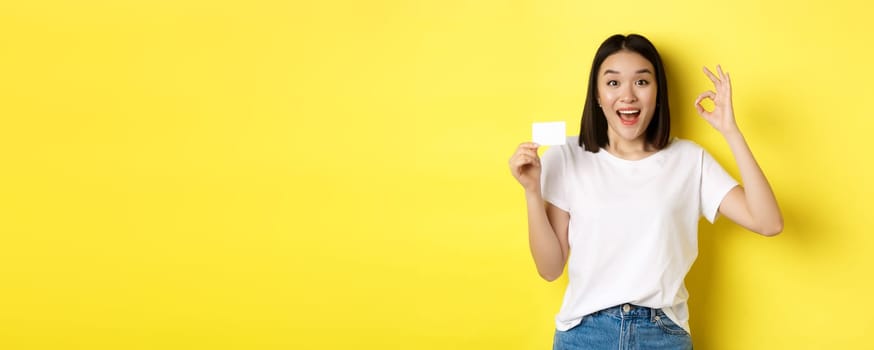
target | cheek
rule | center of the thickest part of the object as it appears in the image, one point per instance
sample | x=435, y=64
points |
x=605, y=97
x=650, y=98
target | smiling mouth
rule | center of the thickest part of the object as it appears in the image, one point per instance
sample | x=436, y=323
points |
x=628, y=116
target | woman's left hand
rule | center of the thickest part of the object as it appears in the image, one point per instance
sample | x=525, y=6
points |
x=722, y=115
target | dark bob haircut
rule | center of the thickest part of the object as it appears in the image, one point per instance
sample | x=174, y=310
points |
x=593, y=126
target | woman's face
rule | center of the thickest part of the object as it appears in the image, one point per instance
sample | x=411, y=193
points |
x=627, y=93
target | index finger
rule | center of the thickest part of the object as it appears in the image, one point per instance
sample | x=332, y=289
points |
x=710, y=75
x=721, y=74
x=530, y=145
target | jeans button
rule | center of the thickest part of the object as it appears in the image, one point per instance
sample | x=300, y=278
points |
x=626, y=308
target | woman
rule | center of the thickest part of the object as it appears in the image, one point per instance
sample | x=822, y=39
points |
x=620, y=204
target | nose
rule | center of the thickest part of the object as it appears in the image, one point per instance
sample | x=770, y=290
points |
x=627, y=95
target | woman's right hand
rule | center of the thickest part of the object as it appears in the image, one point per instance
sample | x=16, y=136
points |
x=525, y=166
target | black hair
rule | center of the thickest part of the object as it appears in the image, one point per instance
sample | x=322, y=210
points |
x=593, y=126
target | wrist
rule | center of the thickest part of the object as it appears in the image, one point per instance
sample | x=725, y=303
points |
x=533, y=193
x=731, y=132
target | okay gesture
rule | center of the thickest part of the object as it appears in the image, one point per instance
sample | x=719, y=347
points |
x=722, y=115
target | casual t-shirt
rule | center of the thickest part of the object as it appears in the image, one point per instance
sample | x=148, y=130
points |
x=633, y=229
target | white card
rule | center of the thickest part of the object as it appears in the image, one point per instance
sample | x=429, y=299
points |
x=548, y=134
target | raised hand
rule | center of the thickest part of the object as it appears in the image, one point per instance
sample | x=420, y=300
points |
x=722, y=115
x=525, y=166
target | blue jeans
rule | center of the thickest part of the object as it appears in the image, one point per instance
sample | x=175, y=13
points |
x=624, y=327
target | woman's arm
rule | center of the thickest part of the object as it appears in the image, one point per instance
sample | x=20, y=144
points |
x=752, y=206
x=547, y=236
x=547, y=224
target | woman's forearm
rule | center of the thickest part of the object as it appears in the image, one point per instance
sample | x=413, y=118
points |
x=546, y=248
x=760, y=199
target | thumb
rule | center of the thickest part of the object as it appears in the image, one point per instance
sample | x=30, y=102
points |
x=701, y=97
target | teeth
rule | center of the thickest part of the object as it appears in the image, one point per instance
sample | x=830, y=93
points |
x=629, y=112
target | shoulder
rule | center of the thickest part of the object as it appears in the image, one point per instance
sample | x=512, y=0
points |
x=571, y=145
x=569, y=152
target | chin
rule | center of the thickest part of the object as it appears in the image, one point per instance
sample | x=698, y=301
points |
x=631, y=136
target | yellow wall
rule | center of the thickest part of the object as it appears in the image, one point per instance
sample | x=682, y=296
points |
x=332, y=174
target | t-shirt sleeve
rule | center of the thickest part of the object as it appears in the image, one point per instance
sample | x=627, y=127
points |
x=715, y=184
x=552, y=177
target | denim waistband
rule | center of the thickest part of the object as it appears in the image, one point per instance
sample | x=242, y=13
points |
x=631, y=311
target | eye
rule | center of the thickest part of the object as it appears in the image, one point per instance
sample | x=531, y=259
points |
x=612, y=83
x=641, y=82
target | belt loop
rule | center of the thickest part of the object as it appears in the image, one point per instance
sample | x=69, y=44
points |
x=652, y=314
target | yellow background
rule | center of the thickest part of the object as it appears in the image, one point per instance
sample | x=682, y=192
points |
x=332, y=174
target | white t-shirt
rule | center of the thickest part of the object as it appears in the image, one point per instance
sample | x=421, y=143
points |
x=633, y=228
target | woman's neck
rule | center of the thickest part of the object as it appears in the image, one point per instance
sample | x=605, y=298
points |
x=630, y=150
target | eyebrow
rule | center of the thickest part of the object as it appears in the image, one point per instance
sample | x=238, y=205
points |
x=610, y=71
